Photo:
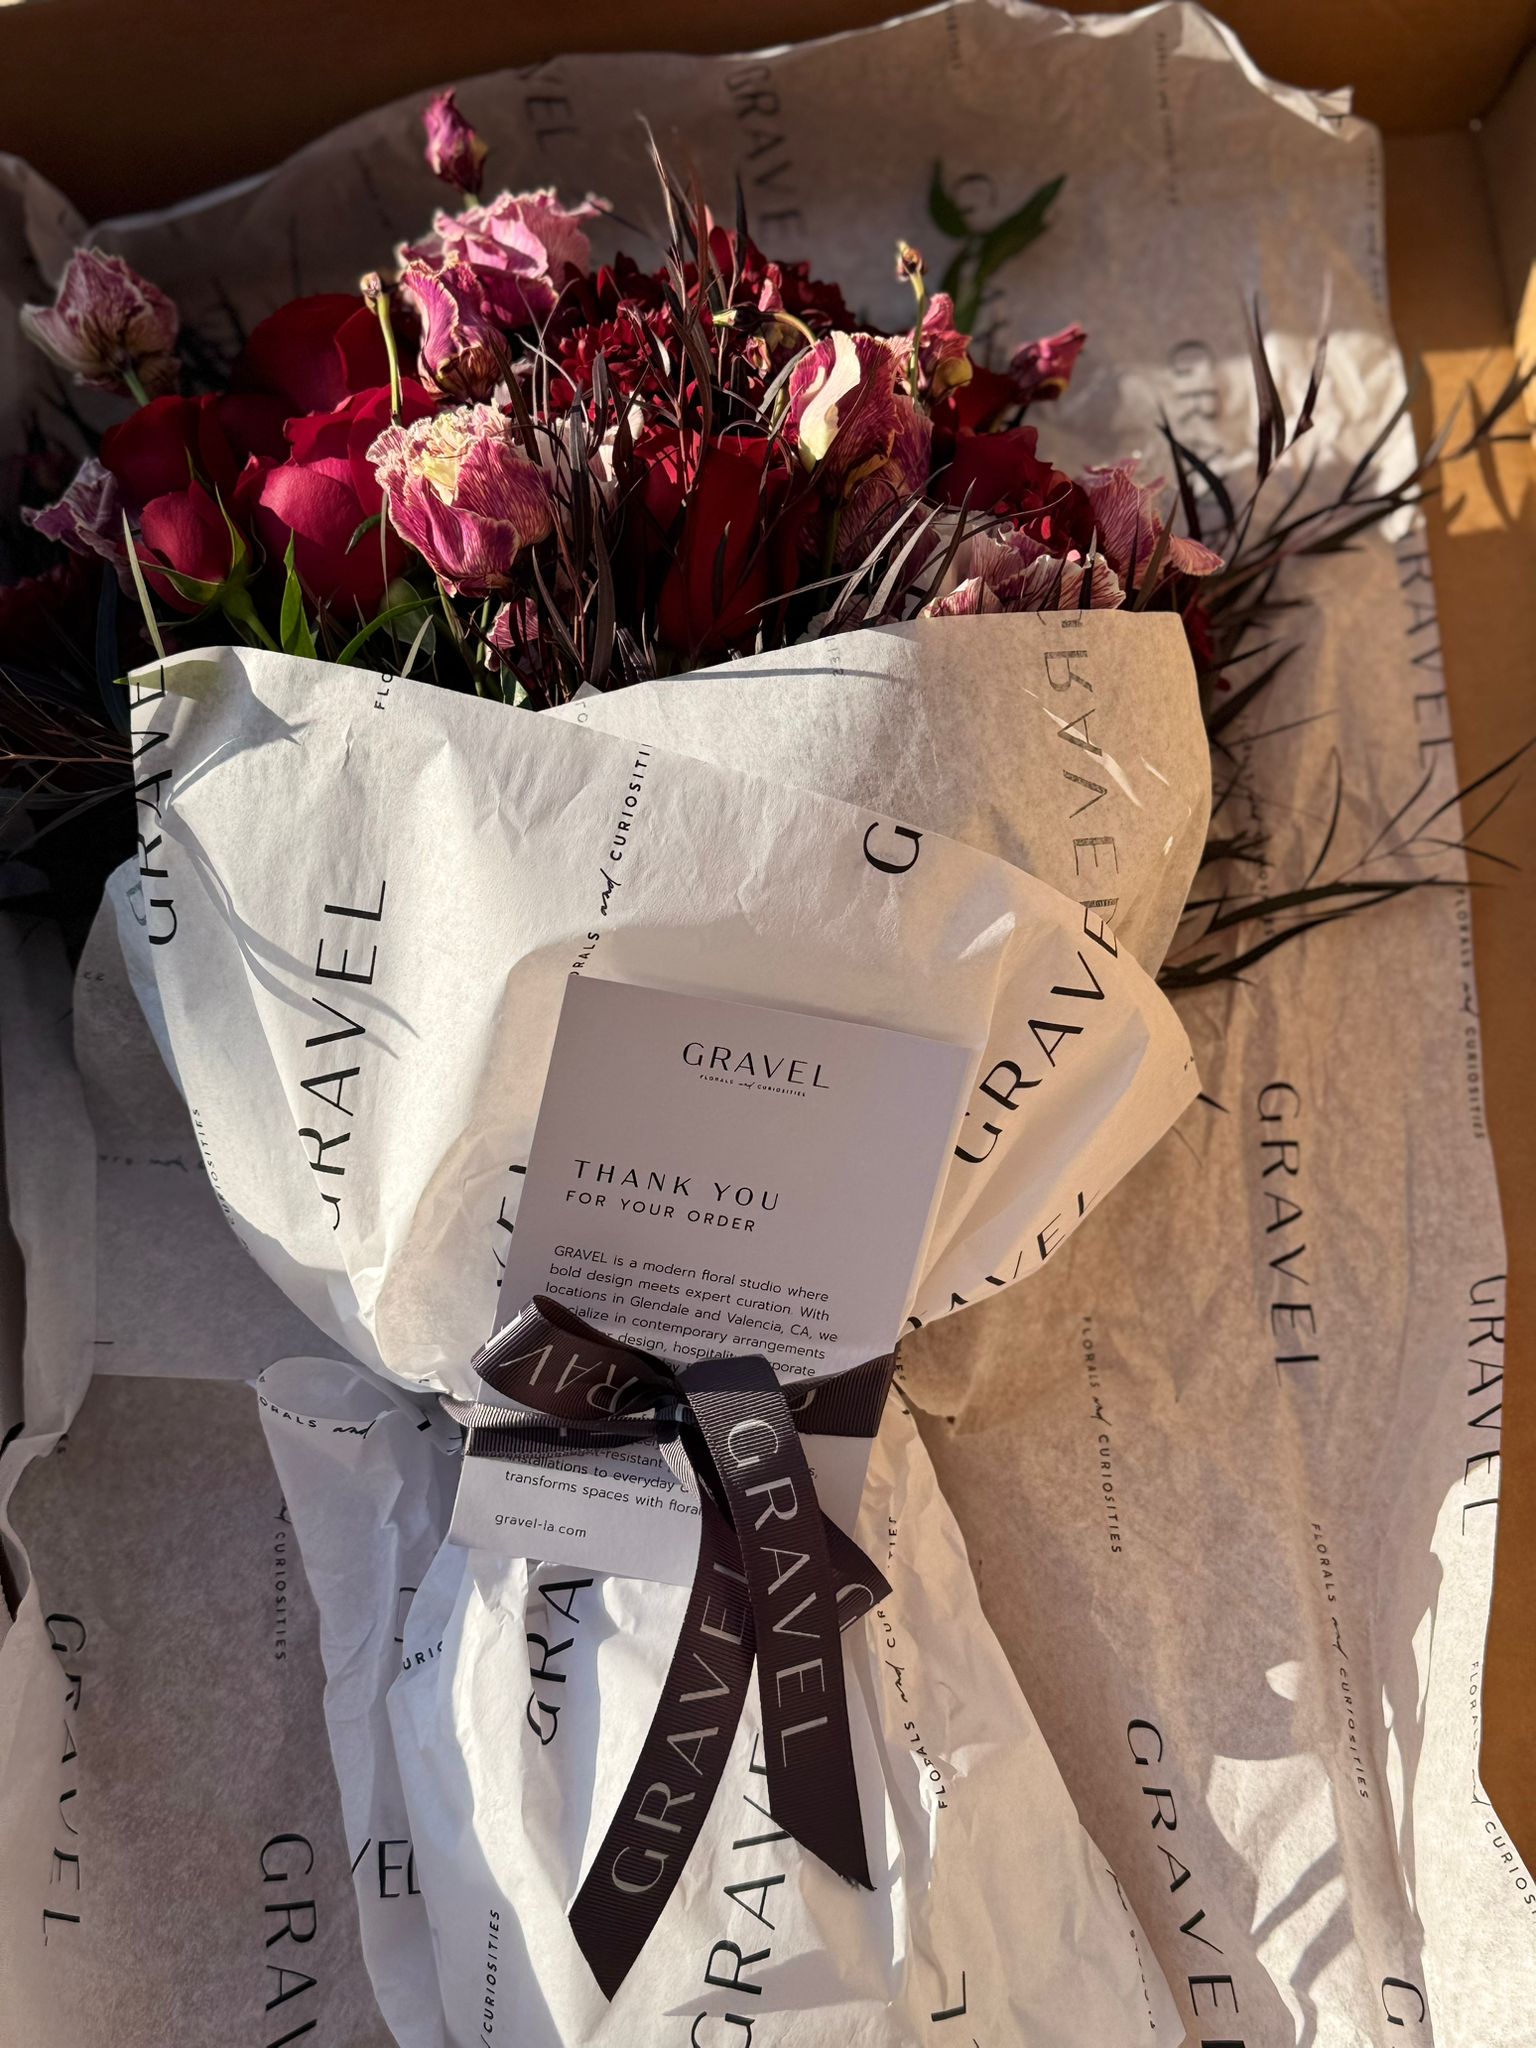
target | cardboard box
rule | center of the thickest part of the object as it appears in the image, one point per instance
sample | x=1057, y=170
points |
x=1453, y=87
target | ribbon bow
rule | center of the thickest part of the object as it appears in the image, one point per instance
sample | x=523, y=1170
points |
x=775, y=1581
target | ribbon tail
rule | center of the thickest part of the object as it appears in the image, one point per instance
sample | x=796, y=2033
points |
x=760, y=1461
x=681, y=1763
x=859, y=1585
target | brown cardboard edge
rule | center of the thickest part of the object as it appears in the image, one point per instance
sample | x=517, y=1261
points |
x=125, y=108
x=1507, y=140
x=1449, y=307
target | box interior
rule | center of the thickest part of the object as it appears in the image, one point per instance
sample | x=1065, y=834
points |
x=157, y=112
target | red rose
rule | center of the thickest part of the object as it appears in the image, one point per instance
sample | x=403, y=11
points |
x=172, y=442
x=1002, y=473
x=185, y=531
x=970, y=408
x=326, y=490
x=164, y=445
x=731, y=553
x=313, y=353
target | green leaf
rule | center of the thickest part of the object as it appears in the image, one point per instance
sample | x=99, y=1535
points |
x=293, y=631
x=192, y=588
x=396, y=611
x=943, y=211
x=1015, y=233
x=237, y=548
x=235, y=603
x=374, y=519
x=150, y=625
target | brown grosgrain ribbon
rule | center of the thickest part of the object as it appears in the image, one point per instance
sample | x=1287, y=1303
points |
x=775, y=1581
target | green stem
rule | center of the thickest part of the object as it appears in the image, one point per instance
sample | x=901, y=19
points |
x=919, y=292
x=393, y=352
x=136, y=389
x=789, y=320
x=236, y=605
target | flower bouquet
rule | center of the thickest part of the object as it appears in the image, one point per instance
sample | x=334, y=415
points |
x=505, y=484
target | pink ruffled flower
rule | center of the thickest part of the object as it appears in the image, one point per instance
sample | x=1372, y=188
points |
x=88, y=519
x=879, y=492
x=1042, y=369
x=108, y=326
x=454, y=151
x=843, y=414
x=1129, y=527
x=518, y=247
x=462, y=352
x=1011, y=572
x=463, y=494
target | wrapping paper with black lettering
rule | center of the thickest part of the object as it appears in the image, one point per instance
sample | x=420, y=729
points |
x=352, y=934
x=1285, y=1570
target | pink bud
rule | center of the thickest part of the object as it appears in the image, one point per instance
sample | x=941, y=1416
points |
x=110, y=327
x=463, y=494
x=1041, y=369
x=454, y=152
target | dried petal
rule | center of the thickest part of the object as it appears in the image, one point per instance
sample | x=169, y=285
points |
x=454, y=151
x=88, y=519
x=108, y=326
x=462, y=351
x=462, y=493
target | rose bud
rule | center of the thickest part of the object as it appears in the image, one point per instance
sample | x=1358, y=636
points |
x=110, y=327
x=88, y=519
x=462, y=493
x=311, y=354
x=462, y=351
x=455, y=152
x=940, y=351
x=1042, y=369
x=1003, y=473
x=909, y=263
x=190, y=534
x=720, y=572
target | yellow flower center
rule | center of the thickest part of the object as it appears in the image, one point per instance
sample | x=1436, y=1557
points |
x=441, y=470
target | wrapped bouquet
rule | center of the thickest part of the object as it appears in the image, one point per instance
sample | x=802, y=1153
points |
x=355, y=908
x=821, y=644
